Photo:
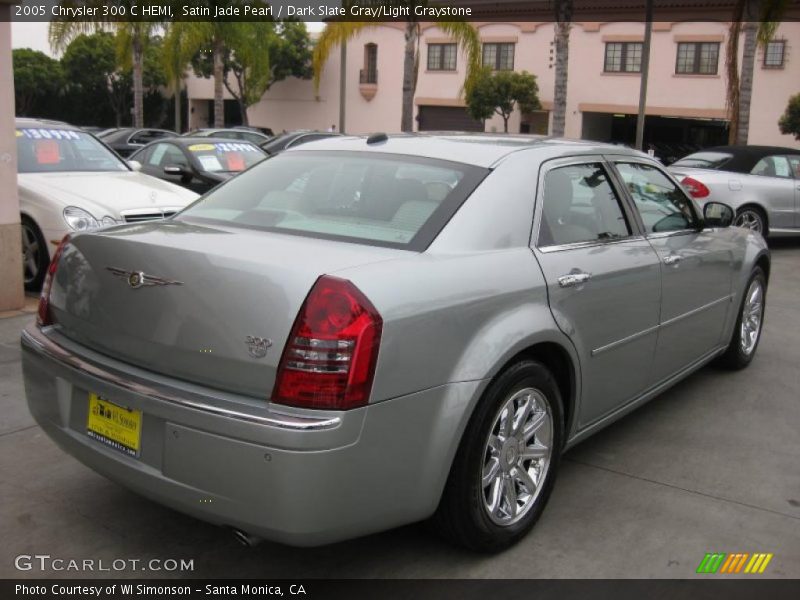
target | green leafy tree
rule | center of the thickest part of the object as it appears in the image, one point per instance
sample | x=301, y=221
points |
x=132, y=39
x=463, y=33
x=95, y=82
x=790, y=121
x=500, y=93
x=37, y=77
x=257, y=55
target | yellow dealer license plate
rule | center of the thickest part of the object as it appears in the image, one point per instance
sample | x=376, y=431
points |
x=115, y=426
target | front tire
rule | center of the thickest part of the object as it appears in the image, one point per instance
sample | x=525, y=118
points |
x=749, y=323
x=35, y=258
x=506, y=465
x=752, y=218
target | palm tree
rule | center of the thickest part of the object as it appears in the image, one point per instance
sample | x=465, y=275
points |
x=338, y=33
x=759, y=20
x=563, y=18
x=132, y=39
x=174, y=58
x=203, y=36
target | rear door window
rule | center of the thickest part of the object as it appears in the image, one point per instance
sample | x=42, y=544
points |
x=579, y=205
x=773, y=166
x=387, y=200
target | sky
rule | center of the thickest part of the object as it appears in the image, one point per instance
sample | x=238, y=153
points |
x=34, y=35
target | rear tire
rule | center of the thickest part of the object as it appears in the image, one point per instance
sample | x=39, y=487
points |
x=752, y=218
x=744, y=341
x=507, y=461
x=35, y=258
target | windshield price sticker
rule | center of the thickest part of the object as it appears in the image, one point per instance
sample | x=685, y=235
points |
x=49, y=134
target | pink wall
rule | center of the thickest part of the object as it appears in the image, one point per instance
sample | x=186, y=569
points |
x=292, y=104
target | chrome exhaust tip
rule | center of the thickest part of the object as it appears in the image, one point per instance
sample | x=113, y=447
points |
x=246, y=539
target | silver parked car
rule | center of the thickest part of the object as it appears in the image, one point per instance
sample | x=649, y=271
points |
x=761, y=183
x=366, y=332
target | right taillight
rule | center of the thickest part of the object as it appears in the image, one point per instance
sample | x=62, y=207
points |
x=43, y=316
x=330, y=356
x=695, y=188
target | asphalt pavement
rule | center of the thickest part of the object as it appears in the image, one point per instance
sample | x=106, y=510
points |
x=713, y=465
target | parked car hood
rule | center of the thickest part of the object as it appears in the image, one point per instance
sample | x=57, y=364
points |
x=106, y=193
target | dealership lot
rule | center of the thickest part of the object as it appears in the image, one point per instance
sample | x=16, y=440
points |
x=709, y=466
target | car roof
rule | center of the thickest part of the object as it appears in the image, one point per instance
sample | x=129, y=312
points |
x=49, y=123
x=744, y=158
x=188, y=140
x=479, y=149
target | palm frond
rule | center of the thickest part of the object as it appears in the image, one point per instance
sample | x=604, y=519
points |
x=468, y=40
x=334, y=34
x=772, y=12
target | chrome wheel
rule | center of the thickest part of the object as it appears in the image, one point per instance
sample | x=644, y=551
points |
x=31, y=253
x=752, y=315
x=517, y=456
x=750, y=219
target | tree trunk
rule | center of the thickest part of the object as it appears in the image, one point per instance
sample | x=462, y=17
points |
x=138, y=86
x=219, y=74
x=409, y=77
x=178, y=106
x=732, y=69
x=243, y=110
x=505, y=123
x=746, y=81
x=562, y=26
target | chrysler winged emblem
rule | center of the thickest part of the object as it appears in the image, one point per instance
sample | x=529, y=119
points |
x=137, y=279
x=257, y=346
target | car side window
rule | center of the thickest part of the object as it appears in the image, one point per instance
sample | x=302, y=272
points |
x=662, y=205
x=156, y=154
x=773, y=166
x=174, y=156
x=794, y=161
x=579, y=205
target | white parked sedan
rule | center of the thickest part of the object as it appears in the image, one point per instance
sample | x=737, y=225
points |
x=69, y=181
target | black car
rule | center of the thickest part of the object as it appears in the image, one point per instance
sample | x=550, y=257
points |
x=294, y=138
x=197, y=163
x=232, y=134
x=127, y=140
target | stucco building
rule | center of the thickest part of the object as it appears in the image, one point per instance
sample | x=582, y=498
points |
x=686, y=103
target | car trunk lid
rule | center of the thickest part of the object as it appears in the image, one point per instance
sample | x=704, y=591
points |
x=207, y=304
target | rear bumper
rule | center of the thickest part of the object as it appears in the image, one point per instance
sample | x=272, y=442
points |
x=298, y=477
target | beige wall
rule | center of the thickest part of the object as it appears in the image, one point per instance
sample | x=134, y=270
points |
x=11, y=293
x=292, y=104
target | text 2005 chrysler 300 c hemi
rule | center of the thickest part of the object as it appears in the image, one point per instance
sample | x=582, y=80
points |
x=367, y=332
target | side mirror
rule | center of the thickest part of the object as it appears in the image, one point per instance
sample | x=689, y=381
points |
x=135, y=165
x=717, y=214
x=174, y=170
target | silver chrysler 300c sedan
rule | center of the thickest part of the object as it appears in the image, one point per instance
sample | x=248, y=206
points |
x=367, y=332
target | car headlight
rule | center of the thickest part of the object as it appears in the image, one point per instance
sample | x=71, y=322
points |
x=108, y=221
x=79, y=220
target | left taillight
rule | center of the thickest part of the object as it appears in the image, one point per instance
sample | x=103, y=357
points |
x=330, y=357
x=43, y=316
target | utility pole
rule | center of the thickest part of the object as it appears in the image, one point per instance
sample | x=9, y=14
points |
x=648, y=32
x=342, y=83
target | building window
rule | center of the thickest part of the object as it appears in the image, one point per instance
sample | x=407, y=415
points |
x=697, y=58
x=773, y=54
x=442, y=57
x=369, y=74
x=498, y=57
x=623, y=57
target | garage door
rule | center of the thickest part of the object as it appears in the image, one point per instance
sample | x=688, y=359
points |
x=447, y=118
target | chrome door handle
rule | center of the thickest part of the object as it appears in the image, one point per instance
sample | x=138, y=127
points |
x=672, y=259
x=574, y=279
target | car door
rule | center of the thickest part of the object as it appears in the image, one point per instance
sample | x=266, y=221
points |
x=696, y=267
x=771, y=184
x=794, y=163
x=603, y=281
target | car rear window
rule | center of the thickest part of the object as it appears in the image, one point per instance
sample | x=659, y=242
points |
x=226, y=157
x=378, y=199
x=703, y=160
